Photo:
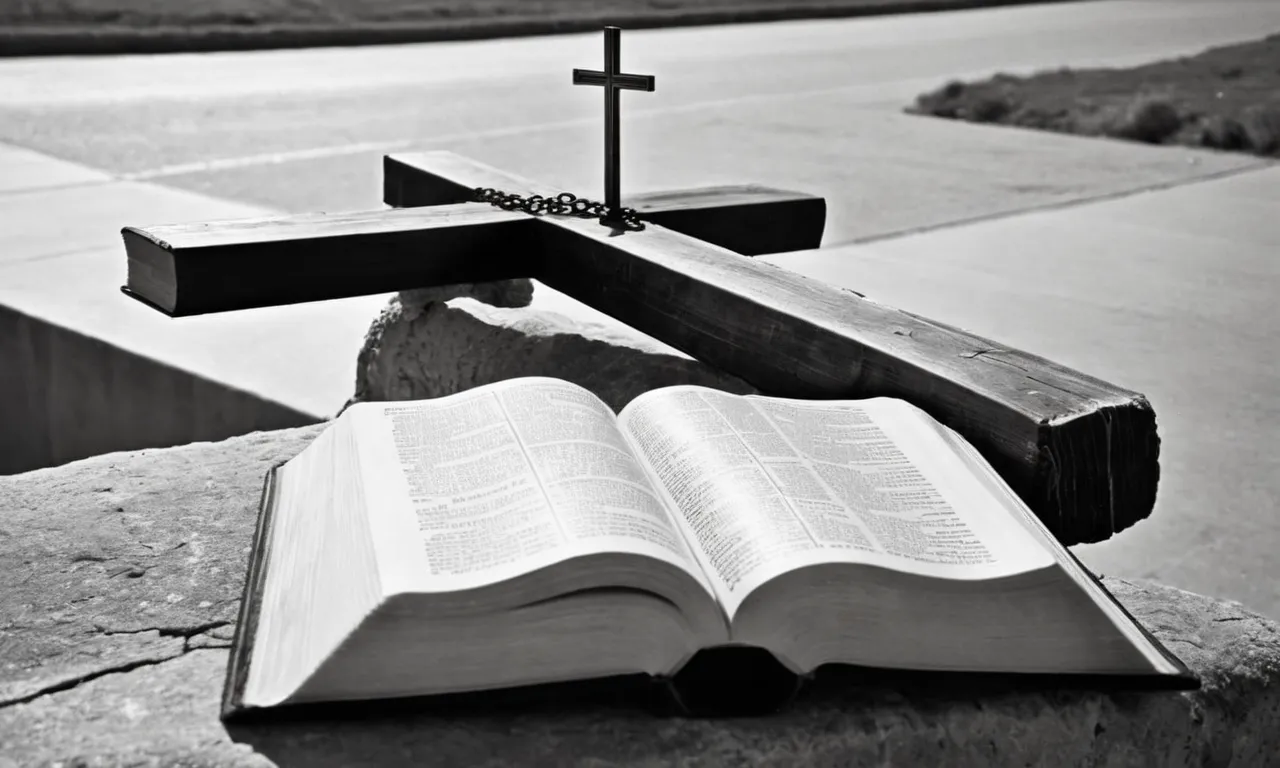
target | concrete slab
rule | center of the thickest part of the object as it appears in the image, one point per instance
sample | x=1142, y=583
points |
x=882, y=172
x=25, y=170
x=1170, y=293
x=61, y=265
x=66, y=395
x=302, y=356
x=63, y=260
x=53, y=221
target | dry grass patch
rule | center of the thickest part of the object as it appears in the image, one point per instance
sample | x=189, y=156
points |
x=1225, y=98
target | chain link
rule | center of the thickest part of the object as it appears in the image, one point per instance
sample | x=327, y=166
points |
x=563, y=204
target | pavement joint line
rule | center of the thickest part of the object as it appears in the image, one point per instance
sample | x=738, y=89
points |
x=1260, y=165
x=4, y=193
x=51, y=256
x=340, y=150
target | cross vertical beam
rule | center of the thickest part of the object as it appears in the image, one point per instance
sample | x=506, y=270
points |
x=612, y=121
x=613, y=79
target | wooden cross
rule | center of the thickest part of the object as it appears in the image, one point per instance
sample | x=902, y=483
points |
x=1081, y=452
x=614, y=80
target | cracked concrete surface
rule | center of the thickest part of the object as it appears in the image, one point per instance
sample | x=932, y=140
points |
x=103, y=667
x=108, y=570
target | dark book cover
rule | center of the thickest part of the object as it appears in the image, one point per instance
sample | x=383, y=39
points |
x=1185, y=679
x=251, y=599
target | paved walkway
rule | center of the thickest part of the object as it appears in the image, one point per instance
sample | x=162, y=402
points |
x=63, y=261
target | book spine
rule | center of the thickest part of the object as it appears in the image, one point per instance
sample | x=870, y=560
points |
x=251, y=599
x=733, y=681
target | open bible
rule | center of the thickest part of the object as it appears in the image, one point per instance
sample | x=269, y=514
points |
x=521, y=533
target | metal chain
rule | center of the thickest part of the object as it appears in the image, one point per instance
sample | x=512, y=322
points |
x=563, y=204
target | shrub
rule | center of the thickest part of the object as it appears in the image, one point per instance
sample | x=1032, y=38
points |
x=1046, y=119
x=989, y=108
x=982, y=103
x=1226, y=98
x=1151, y=119
x=1262, y=124
x=942, y=102
x=1224, y=133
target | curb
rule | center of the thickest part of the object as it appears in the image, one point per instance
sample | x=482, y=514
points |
x=101, y=39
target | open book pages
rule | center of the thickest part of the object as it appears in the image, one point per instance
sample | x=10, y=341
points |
x=767, y=485
x=486, y=485
x=854, y=531
x=734, y=489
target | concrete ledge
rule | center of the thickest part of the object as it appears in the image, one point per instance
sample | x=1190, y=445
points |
x=65, y=396
x=119, y=582
x=84, y=369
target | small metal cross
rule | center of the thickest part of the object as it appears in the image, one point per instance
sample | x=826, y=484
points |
x=613, y=80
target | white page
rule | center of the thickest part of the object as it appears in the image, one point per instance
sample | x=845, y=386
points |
x=766, y=485
x=488, y=484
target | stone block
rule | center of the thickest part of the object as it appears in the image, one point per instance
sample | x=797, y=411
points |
x=120, y=577
x=438, y=341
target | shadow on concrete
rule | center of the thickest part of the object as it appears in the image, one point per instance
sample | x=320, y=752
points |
x=634, y=719
x=66, y=396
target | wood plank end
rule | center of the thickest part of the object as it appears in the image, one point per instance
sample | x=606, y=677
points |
x=1116, y=442
x=150, y=269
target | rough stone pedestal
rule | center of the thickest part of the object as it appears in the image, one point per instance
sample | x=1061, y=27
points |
x=421, y=346
x=120, y=577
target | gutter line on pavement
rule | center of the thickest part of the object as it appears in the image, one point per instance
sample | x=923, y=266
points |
x=1045, y=207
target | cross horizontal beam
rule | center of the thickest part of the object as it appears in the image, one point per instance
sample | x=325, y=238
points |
x=621, y=80
x=193, y=269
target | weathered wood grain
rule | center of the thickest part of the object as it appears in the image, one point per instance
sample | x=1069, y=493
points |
x=190, y=269
x=1083, y=454
x=751, y=220
x=218, y=266
x=748, y=219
